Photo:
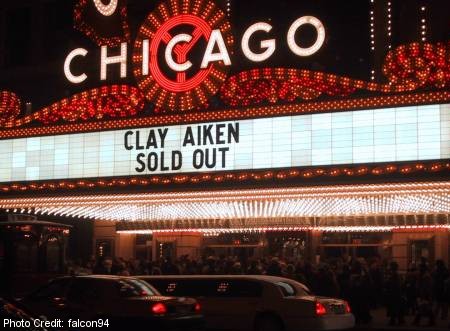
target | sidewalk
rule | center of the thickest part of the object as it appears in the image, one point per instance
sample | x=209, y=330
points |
x=381, y=322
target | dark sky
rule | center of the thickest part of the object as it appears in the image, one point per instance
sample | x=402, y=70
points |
x=34, y=47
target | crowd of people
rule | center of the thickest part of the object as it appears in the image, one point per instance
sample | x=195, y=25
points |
x=423, y=291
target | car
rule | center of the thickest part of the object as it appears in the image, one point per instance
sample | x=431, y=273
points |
x=13, y=316
x=259, y=303
x=115, y=302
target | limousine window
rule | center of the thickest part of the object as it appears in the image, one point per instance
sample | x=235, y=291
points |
x=286, y=289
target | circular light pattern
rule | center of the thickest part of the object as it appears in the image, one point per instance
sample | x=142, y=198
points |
x=85, y=23
x=308, y=51
x=106, y=10
x=179, y=90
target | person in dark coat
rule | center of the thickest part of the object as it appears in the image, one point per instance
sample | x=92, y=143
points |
x=440, y=276
x=104, y=266
x=360, y=287
x=411, y=289
x=169, y=268
x=274, y=268
x=424, y=296
x=343, y=279
x=327, y=284
x=394, y=295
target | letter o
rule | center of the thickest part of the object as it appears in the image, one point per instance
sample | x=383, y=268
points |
x=106, y=10
x=199, y=164
x=315, y=22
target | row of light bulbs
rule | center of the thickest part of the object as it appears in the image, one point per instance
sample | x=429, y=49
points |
x=214, y=232
x=352, y=200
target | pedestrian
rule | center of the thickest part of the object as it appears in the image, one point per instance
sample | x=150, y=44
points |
x=274, y=268
x=103, y=266
x=326, y=282
x=394, y=296
x=440, y=277
x=424, y=296
x=360, y=287
x=411, y=289
x=343, y=279
x=254, y=268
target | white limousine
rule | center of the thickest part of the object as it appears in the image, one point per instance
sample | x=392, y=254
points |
x=258, y=303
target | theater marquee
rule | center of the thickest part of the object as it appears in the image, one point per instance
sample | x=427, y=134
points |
x=356, y=137
x=179, y=106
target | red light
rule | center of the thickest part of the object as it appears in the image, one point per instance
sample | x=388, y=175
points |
x=159, y=309
x=320, y=309
x=198, y=308
x=348, y=310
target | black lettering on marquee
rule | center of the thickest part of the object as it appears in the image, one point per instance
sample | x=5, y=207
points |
x=128, y=147
x=141, y=163
x=151, y=140
x=162, y=135
x=177, y=160
x=219, y=134
x=198, y=164
x=189, y=137
x=208, y=158
x=207, y=134
x=223, y=150
x=233, y=130
x=138, y=145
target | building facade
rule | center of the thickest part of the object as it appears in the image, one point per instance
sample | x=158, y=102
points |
x=198, y=127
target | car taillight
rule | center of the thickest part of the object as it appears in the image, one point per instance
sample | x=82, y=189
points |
x=198, y=308
x=348, y=310
x=320, y=309
x=159, y=309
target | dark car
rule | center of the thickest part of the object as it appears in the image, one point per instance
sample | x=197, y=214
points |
x=85, y=302
x=13, y=316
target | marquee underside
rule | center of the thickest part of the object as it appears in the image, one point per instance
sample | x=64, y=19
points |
x=405, y=204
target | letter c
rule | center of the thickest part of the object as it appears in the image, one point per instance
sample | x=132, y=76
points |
x=71, y=77
x=168, y=54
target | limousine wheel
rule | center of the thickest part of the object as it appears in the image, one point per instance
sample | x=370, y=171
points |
x=268, y=323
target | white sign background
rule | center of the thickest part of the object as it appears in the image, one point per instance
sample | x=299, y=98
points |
x=353, y=137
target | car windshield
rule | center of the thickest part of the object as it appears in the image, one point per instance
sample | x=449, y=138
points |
x=134, y=287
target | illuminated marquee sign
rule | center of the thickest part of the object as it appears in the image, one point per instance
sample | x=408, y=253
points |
x=352, y=137
x=155, y=36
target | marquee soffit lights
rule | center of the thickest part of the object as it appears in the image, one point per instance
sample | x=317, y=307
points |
x=343, y=200
x=215, y=232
